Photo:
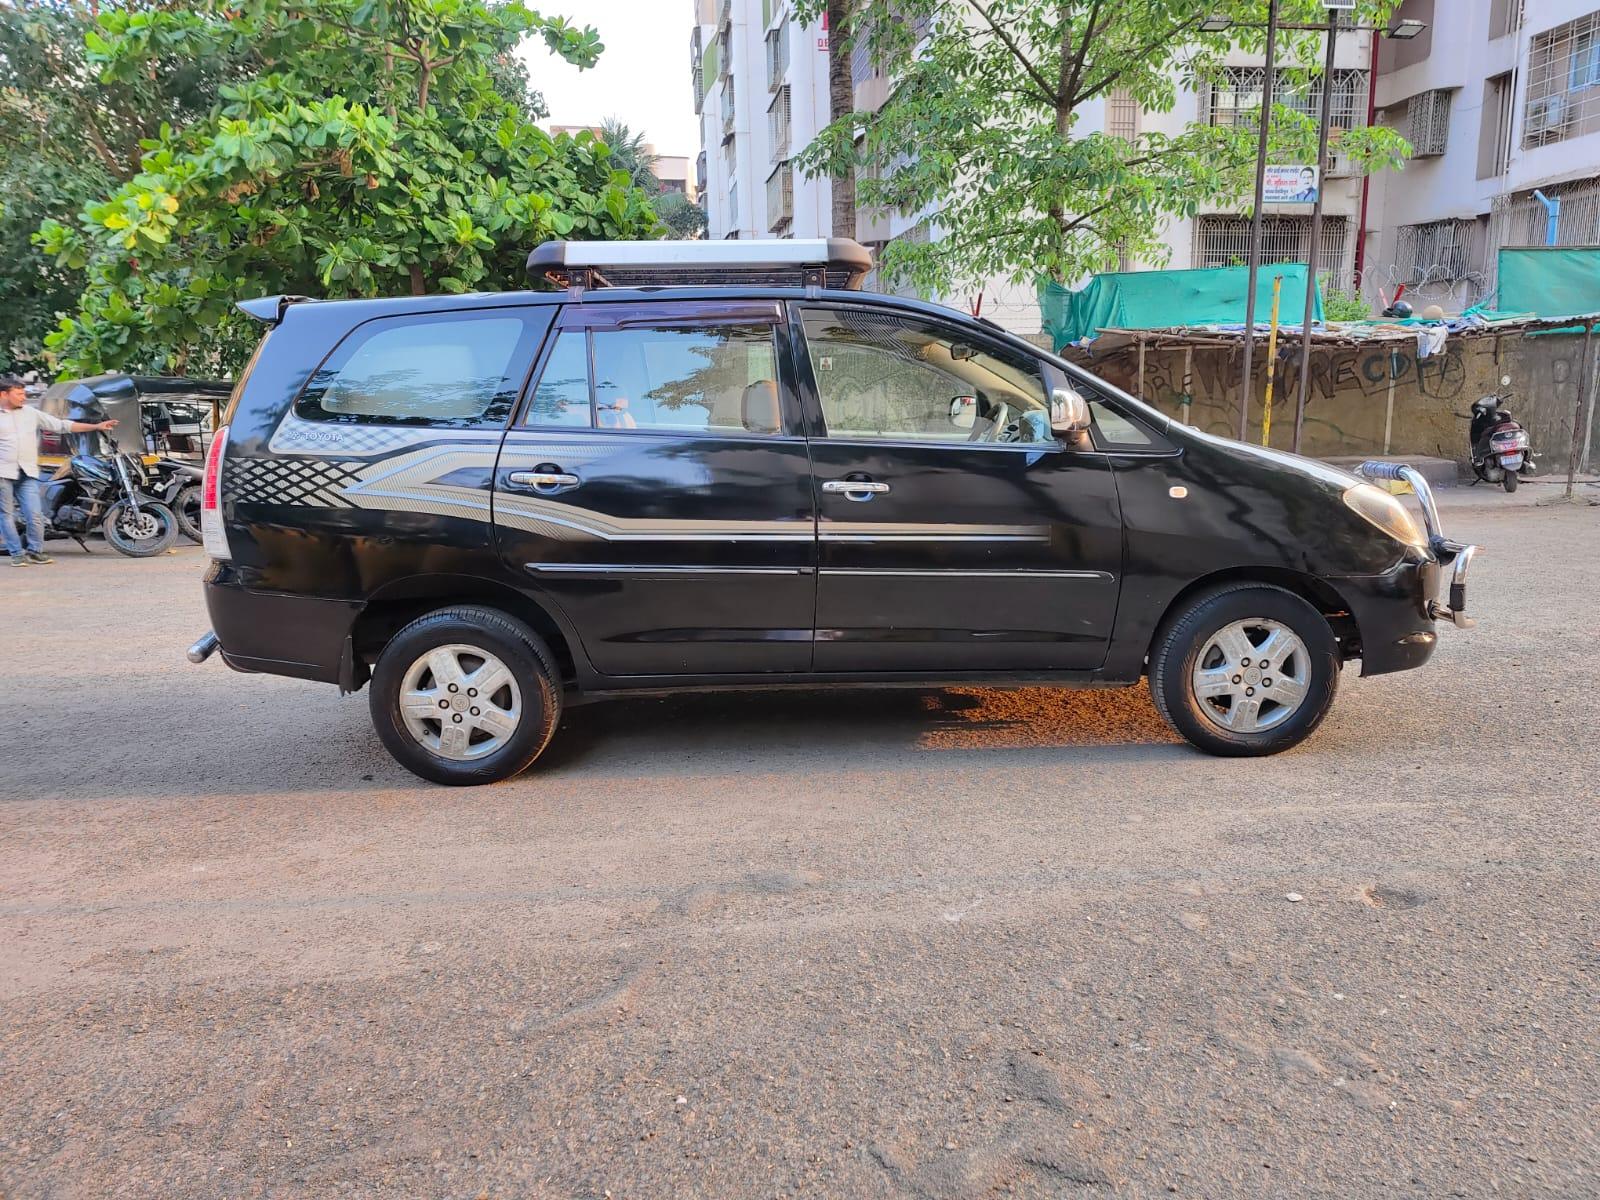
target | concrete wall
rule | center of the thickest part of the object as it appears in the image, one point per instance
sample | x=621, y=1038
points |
x=1350, y=397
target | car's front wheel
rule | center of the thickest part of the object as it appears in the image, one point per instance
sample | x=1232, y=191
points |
x=465, y=695
x=1245, y=669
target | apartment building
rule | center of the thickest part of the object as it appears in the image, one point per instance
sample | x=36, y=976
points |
x=1500, y=99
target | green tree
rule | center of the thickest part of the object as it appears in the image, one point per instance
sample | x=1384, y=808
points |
x=66, y=139
x=682, y=219
x=991, y=95
x=368, y=148
x=631, y=153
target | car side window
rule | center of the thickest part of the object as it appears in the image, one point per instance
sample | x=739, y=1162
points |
x=454, y=370
x=884, y=376
x=1114, y=429
x=561, y=397
x=696, y=378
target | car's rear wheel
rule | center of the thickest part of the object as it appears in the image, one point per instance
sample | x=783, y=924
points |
x=1245, y=669
x=465, y=695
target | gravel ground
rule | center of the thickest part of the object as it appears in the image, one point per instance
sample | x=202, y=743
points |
x=944, y=944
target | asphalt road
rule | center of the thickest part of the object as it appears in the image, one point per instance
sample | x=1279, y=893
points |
x=951, y=944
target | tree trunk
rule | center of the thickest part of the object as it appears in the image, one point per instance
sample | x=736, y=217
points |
x=419, y=285
x=841, y=103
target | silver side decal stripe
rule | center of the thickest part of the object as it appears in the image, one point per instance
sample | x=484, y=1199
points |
x=631, y=569
x=956, y=573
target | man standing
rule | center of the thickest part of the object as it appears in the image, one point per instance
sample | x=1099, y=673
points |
x=19, y=468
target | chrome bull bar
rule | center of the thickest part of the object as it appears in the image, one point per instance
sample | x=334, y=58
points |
x=1458, y=554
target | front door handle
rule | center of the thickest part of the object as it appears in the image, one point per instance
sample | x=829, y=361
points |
x=855, y=489
x=543, y=479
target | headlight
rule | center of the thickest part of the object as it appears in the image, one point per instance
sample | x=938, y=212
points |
x=1379, y=508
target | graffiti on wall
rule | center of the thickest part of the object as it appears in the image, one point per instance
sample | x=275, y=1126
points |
x=1366, y=399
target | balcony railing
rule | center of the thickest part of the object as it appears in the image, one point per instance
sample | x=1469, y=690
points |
x=696, y=69
x=780, y=198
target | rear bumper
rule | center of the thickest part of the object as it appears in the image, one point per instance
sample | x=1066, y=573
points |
x=277, y=633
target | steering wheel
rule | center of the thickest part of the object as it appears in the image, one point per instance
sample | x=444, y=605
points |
x=998, y=418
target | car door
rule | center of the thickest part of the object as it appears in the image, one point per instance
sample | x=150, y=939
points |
x=955, y=532
x=656, y=486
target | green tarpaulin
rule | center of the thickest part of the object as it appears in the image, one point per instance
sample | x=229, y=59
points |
x=1163, y=299
x=1555, y=281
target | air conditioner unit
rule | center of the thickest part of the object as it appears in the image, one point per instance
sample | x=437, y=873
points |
x=1548, y=115
x=1340, y=5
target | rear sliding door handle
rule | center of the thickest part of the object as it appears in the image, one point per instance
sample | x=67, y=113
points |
x=543, y=479
x=855, y=489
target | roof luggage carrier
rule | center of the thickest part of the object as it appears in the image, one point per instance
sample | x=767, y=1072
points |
x=777, y=262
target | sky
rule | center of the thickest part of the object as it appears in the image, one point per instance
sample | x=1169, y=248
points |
x=641, y=78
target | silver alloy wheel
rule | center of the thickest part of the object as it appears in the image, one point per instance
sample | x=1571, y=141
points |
x=139, y=526
x=1252, y=675
x=460, y=702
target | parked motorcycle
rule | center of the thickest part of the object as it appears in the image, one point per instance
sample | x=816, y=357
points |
x=108, y=490
x=1500, y=449
x=177, y=485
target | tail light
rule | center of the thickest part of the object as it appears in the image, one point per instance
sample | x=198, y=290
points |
x=213, y=532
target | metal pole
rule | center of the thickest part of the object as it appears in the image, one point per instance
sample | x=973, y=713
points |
x=1272, y=361
x=1316, y=229
x=1580, y=433
x=1255, y=222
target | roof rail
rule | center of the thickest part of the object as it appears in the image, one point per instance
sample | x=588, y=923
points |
x=775, y=262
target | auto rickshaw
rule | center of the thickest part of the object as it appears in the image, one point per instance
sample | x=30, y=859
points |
x=176, y=415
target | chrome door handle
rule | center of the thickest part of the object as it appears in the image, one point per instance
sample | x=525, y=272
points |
x=855, y=489
x=543, y=479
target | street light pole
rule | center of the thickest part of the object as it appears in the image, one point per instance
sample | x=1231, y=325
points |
x=1316, y=229
x=1255, y=223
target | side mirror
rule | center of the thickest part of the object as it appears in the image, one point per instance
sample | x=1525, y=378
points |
x=964, y=412
x=1069, y=414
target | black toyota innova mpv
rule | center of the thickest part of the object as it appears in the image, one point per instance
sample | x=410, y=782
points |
x=719, y=464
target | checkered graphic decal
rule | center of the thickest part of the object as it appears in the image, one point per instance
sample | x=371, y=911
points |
x=301, y=482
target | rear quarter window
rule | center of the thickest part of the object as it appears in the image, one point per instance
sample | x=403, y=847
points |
x=449, y=369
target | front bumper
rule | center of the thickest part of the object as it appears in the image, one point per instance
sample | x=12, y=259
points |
x=1457, y=556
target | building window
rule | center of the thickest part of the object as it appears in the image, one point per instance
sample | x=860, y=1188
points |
x=1494, y=130
x=1235, y=95
x=1224, y=241
x=1521, y=220
x=1438, y=252
x=1563, y=83
x=778, y=124
x=696, y=65
x=780, y=198
x=777, y=56
x=728, y=109
x=1428, y=123
x=1505, y=17
x=1122, y=115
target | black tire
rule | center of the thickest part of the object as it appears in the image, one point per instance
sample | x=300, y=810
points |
x=527, y=658
x=123, y=542
x=1180, y=641
x=1509, y=481
x=186, y=507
